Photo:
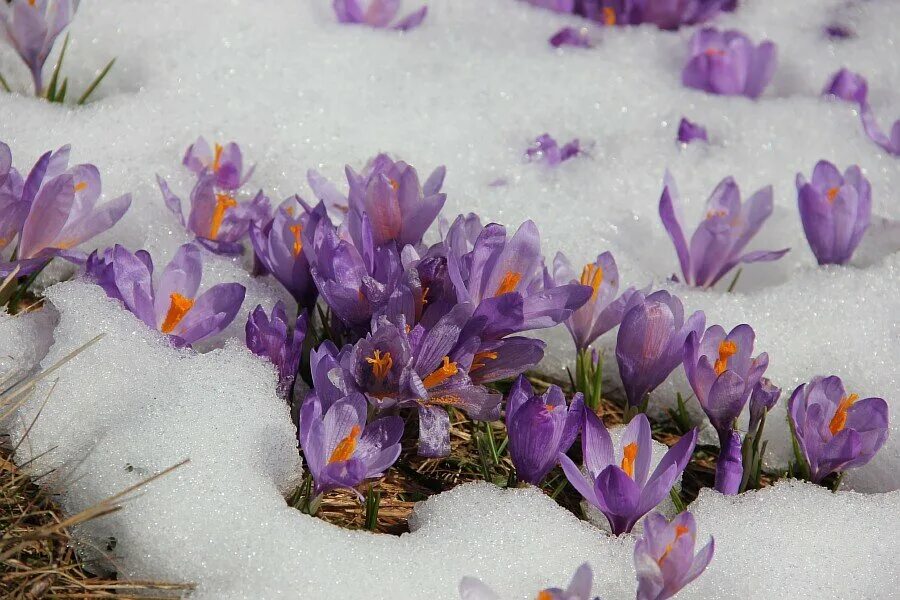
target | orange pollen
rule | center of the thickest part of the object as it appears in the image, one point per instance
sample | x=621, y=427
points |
x=609, y=16
x=480, y=360
x=395, y=185
x=381, y=365
x=298, y=243
x=727, y=349
x=832, y=193
x=223, y=203
x=839, y=420
x=680, y=530
x=544, y=595
x=346, y=447
x=178, y=307
x=630, y=454
x=665, y=554
x=441, y=374
x=592, y=275
x=714, y=52
x=509, y=283
x=80, y=186
x=715, y=213
x=217, y=158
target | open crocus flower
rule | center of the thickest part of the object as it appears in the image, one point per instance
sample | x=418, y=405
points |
x=835, y=211
x=172, y=305
x=540, y=428
x=650, y=343
x=377, y=14
x=664, y=557
x=224, y=163
x=718, y=242
x=273, y=339
x=728, y=63
x=833, y=430
x=603, y=310
x=579, y=588
x=848, y=86
x=340, y=449
x=546, y=149
x=623, y=488
x=688, y=131
x=31, y=28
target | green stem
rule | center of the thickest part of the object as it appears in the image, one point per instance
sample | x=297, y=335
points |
x=4, y=84
x=676, y=500
x=492, y=445
x=735, y=280
x=837, y=482
x=597, y=387
x=373, y=502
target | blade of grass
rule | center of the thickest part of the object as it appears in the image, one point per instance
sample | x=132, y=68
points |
x=90, y=90
x=4, y=84
x=51, y=89
x=61, y=96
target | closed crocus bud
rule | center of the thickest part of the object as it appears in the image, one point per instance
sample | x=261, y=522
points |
x=688, y=131
x=664, y=557
x=835, y=211
x=762, y=399
x=847, y=85
x=274, y=340
x=728, y=63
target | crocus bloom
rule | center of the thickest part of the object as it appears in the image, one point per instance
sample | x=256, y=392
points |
x=378, y=14
x=603, y=310
x=539, y=428
x=172, y=305
x=729, y=64
x=834, y=430
x=272, y=339
x=31, y=28
x=763, y=398
x=722, y=372
x=664, y=557
x=688, y=131
x=730, y=464
x=835, y=211
x=620, y=487
x=718, y=242
x=847, y=85
x=340, y=449
x=13, y=207
x=547, y=149
x=650, y=343
x=571, y=36
x=225, y=163
x=579, y=588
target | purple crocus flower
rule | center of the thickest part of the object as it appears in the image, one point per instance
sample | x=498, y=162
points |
x=721, y=237
x=272, y=339
x=835, y=431
x=13, y=207
x=848, y=86
x=578, y=37
x=540, y=428
x=835, y=211
x=763, y=398
x=603, y=310
x=224, y=163
x=664, y=557
x=688, y=131
x=728, y=63
x=579, y=588
x=31, y=28
x=377, y=14
x=852, y=87
x=730, y=464
x=621, y=488
x=340, y=449
x=546, y=149
x=508, y=357
x=650, y=343
x=172, y=305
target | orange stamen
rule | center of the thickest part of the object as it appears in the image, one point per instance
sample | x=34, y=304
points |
x=839, y=420
x=217, y=158
x=346, y=447
x=715, y=213
x=509, y=283
x=480, y=359
x=441, y=374
x=223, y=203
x=178, y=307
x=609, y=16
x=832, y=193
x=630, y=454
x=298, y=243
x=727, y=349
x=544, y=595
x=381, y=365
x=680, y=530
x=592, y=275
x=714, y=52
x=395, y=185
x=80, y=186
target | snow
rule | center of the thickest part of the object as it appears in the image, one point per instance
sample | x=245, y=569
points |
x=470, y=89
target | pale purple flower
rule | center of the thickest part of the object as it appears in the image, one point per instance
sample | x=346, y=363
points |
x=545, y=148
x=688, y=131
x=273, y=339
x=224, y=163
x=718, y=242
x=377, y=13
x=728, y=63
x=31, y=28
x=664, y=556
x=847, y=85
x=763, y=398
x=13, y=206
x=579, y=588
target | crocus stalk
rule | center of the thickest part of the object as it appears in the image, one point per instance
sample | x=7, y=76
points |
x=835, y=211
x=848, y=86
x=579, y=588
x=664, y=556
x=890, y=143
x=852, y=87
x=341, y=450
x=539, y=428
x=172, y=305
x=718, y=242
x=834, y=431
x=728, y=63
x=730, y=466
x=273, y=339
x=688, y=131
x=31, y=28
x=763, y=398
x=546, y=149
x=650, y=344
x=224, y=162
x=377, y=14
x=617, y=481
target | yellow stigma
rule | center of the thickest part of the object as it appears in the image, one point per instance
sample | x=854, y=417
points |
x=298, y=243
x=832, y=193
x=217, y=158
x=346, y=447
x=727, y=349
x=592, y=275
x=223, y=203
x=609, y=16
x=381, y=364
x=839, y=420
x=480, y=360
x=509, y=283
x=80, y=186
x=630, y=454
x=441, y=374
x=178, y=307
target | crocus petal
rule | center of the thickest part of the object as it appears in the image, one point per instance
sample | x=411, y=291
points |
x=212, y=312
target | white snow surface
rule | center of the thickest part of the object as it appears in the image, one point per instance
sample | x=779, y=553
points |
x=470, y=89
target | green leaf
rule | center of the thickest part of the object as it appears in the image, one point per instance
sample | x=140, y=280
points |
x=54, y=79
x=4, y=84
x=61, y=96
x=90, y=90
